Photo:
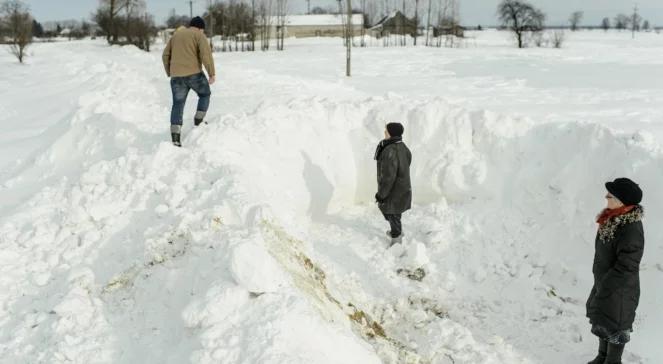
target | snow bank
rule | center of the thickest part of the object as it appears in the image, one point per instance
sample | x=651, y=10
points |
x=526, y=194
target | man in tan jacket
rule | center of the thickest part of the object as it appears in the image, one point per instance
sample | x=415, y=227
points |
x=184, y=57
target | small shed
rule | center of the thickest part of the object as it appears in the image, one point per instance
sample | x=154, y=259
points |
x=394, y=23
x=443, y=30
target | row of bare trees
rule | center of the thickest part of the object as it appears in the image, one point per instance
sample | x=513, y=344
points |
x=633, y=22
x=16, y=27
x=241, y=23
x=126, y=22
x=404, y=22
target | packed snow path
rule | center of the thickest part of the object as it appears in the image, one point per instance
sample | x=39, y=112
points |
x=258, y=241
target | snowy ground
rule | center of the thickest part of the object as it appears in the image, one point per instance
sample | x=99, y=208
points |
x=258, y=242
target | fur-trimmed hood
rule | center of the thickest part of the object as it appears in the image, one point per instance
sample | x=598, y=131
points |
x=607, y=229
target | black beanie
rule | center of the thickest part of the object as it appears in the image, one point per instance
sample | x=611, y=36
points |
x=627, y=191
x=197, y=22
x=395, y=129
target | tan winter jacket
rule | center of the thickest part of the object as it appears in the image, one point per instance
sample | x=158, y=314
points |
x=187, y=51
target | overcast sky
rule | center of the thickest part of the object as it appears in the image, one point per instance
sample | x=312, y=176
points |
x=472, y=11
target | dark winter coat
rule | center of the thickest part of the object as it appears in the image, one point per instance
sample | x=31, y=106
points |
x=616, y=292
x=394, y=188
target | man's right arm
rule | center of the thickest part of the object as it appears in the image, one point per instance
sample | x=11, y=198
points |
x=166, y=57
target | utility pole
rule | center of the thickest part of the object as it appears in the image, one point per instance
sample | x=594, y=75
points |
x=350, y=34
x=190, y=8
x=634, y=21
x=308, y=7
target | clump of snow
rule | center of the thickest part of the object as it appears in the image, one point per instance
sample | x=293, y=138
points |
x=255, y=270
x=417, y=256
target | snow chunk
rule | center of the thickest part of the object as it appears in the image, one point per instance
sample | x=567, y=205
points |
x=417, y=256
x=254, y=269
x=221, y=301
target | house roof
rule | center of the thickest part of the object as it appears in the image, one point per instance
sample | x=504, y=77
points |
x=393, y=15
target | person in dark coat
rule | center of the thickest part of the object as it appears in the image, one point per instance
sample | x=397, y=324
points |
x=394, y=195
x=619, y=247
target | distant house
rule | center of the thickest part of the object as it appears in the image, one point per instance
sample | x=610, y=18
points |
x=165, y=34
x=326, y=25
x=394, y=23
x=65, y=32
x=456, y=30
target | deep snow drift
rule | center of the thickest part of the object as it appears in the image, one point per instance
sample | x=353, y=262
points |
x=258, y=241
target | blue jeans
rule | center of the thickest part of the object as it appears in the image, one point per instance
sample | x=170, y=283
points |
x=180, y=87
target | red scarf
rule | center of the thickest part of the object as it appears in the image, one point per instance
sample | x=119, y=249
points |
x=608, y=214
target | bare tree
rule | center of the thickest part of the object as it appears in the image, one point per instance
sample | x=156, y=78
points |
x=253, y=25
x=605, y=24
x=211, y=29
x=521, y=18
x=575, y=19
x=636, y=19
x=145, y=31
x=646, y=26
x=452, y=24
x=235, y=21
x=430, y=8
x=557, y=38
x=416, y=20
x=175, y=21
x=281, y=13
x=446, y=7
x=126, y=22
x=622, y=21
x=319, y=10
x=364, y=11
x=265, y=23
x=349, y=33
x=19, y=26
x=108, y=16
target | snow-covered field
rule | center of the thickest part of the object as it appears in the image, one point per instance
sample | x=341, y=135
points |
x=258, y=242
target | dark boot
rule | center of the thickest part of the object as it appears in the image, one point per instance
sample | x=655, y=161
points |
x=603, y=353
x=198, y=119
x=614, y=354
x=175, y=131
x=176, y=139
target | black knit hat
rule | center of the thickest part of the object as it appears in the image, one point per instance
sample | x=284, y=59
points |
x=197, y=22
x=627, y=191
x=395, y=129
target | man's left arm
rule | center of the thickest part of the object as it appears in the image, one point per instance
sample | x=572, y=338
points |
x=166, y=57
x=206, y=57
